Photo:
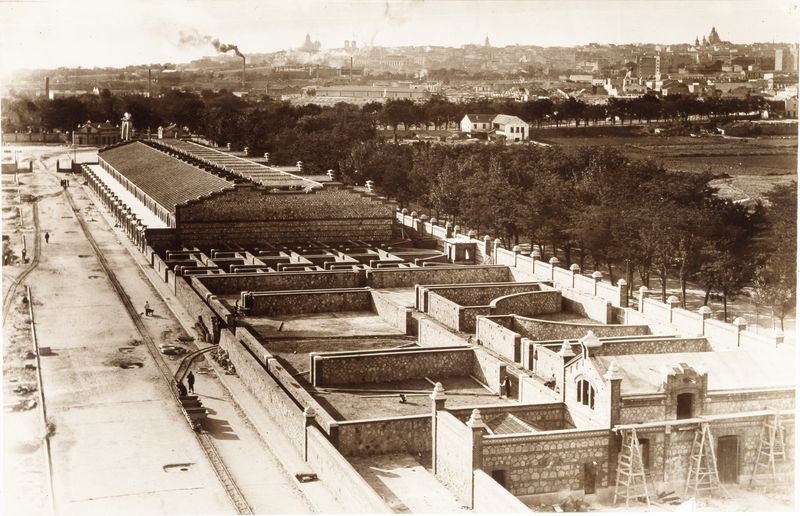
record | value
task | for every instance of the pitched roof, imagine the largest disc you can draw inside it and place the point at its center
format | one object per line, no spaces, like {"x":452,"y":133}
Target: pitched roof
{"x":727,"y":370}
{"x":508,"y":119}
{"x":481,"y":118}
{"x":167,"y":180}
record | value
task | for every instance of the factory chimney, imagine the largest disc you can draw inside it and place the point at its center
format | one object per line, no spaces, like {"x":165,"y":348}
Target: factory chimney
{"x":149,"y":83}
{"x":47,"y":87}
{"x":243,"y":65}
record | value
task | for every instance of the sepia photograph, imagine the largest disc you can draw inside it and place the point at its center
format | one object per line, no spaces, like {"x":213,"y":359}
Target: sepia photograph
{"x":398,"y":256}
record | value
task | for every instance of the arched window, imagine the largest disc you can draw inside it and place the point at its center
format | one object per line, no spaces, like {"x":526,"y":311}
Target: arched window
{"x":585,"y":394}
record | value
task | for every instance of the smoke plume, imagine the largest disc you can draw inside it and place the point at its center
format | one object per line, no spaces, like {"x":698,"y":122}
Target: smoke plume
{"x":195,"y":39}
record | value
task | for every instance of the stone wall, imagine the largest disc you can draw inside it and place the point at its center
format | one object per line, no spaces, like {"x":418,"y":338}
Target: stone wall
{"x":225,"y":284}
{"x":350,"y":488}
{"x":432,"y":334}
{"x":528,"y":304}
{"x":445,"y":311}
{"x":491,"y":497}
{"x":538,"y":329}
{"x":544,"y":416}
{"x":309,"y":302}
{"x":279,"y":404}
{"x":453,"y":460}
{"x":499,"y":339}
{"x":688,"y":323}
{"x":652,"y":346}
{"x":192,"y":302}
{"x":488,"y":369}
{"x":410,"y":276}
{"x":410,"y":434}
{"x":161,"y":239}
{"x":252,"y":216}
{"x":387,"y":366}
{"x":585,"y":305}
{"x":744,"y":401}
{"x":396,"y":315}
{"x":549,"y":461}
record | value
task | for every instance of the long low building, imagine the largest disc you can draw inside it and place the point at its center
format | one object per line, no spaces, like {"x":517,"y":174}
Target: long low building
{"x":202,"y":204}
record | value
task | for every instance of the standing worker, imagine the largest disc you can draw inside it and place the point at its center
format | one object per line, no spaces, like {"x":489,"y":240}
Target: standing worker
{"x":190,"y":381}
{"x":46,"y":237}
{"x":507,"y":386}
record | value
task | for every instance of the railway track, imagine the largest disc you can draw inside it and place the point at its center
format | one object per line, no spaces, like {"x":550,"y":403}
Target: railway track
{"x":204,"y":439}
{"x":8,"y":298}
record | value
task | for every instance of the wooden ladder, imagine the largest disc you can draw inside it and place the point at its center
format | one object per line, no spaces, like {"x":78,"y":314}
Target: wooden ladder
{"x":772,"y":446}
{"x":631,"y":478}
{"x":703,"y":473}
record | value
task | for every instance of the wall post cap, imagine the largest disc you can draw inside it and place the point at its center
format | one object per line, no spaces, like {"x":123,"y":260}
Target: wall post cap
{"x":487,"y":238}
{"x":740,"y":323}
{"x":613,"y":371}
{"x":498,"y":242}
{"x":434,"y":220}
{"x":472,"y":233}
{"x":705,"y":310}
{"x":476,"y":420}
{"x":414,"y":214}
{"x":516,"y":249}
{"x":554,"y":261}
{"x":404,"y":211}
{"x":566,"y":349}
{"x":438,"y":392}
{"x":590,"y":340}
{"x":457,"y":228}
{"x":575,"y":268}
{"x":673,"y":300}
{"x":448,"y":224}
{"x":535,"y":253}
{"x":423,"y":217}
{"x":643,"y":290}
{"x":597,"y":275}
{"x":622,"y":283}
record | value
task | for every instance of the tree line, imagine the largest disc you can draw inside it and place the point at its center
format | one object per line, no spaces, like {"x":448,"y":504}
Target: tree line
{"x":596,"y":207}
{"x":321,"y":136}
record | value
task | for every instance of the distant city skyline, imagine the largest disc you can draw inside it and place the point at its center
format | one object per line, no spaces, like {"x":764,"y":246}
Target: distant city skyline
{"x":90,"y":33}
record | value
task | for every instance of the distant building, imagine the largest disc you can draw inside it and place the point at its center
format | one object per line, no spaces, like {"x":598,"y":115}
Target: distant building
{"x":96,"y":133}
{"x":778,"y":60}
{"x":476,"y":123}
{"x":512,"y":127}
{"x":790,"y":107}
{"x":373,"y":92}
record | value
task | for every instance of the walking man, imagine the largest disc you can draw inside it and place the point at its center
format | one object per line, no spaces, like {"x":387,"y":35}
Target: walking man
{"x":181,"y":388}
{"x":147,"y":310}
{"x":46,"y":237}
{"x":190,"y":381}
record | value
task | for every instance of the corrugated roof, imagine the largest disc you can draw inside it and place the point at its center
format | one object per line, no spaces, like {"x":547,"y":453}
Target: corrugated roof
{"x":167,"y":180}
{"x":727,"y":370}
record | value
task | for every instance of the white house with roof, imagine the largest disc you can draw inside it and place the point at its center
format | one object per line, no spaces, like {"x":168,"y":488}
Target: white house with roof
{"x":476,"y":123}
{"x":512,"y":127}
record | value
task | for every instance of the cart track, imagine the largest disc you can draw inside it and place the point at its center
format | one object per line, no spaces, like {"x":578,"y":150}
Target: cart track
{"x":204,"y":439}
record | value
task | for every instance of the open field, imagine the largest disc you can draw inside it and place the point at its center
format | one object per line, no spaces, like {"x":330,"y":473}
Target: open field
{"x":754,"y":165}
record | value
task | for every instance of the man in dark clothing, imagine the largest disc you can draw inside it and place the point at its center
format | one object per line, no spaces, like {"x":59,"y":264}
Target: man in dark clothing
{"x":507,"y":386}
{"x":46,"y":237}
{"x":190,"y":381}
{"x":181,"y":388}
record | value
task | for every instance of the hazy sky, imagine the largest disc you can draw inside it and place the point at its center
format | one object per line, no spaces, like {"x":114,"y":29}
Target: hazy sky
{"x":51,"y":33}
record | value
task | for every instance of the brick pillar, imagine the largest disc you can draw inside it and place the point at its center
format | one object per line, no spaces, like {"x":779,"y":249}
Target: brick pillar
{"x":706,"y":312}
{"x":673,"y":303}
{"x":622,"y":285}
{"x":597,"y":276}
{"x":478,"y":428}
{"x":553,"y":264}
{"x":487,"y":248}
{"x":438,"y":398}
{"x":642,"y":297}
{"x":448,"y":229}
{"x":614,"y":379}
{"x":575,"y":269}
{"x":309,"y":414}
{"x":741,"y":325}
